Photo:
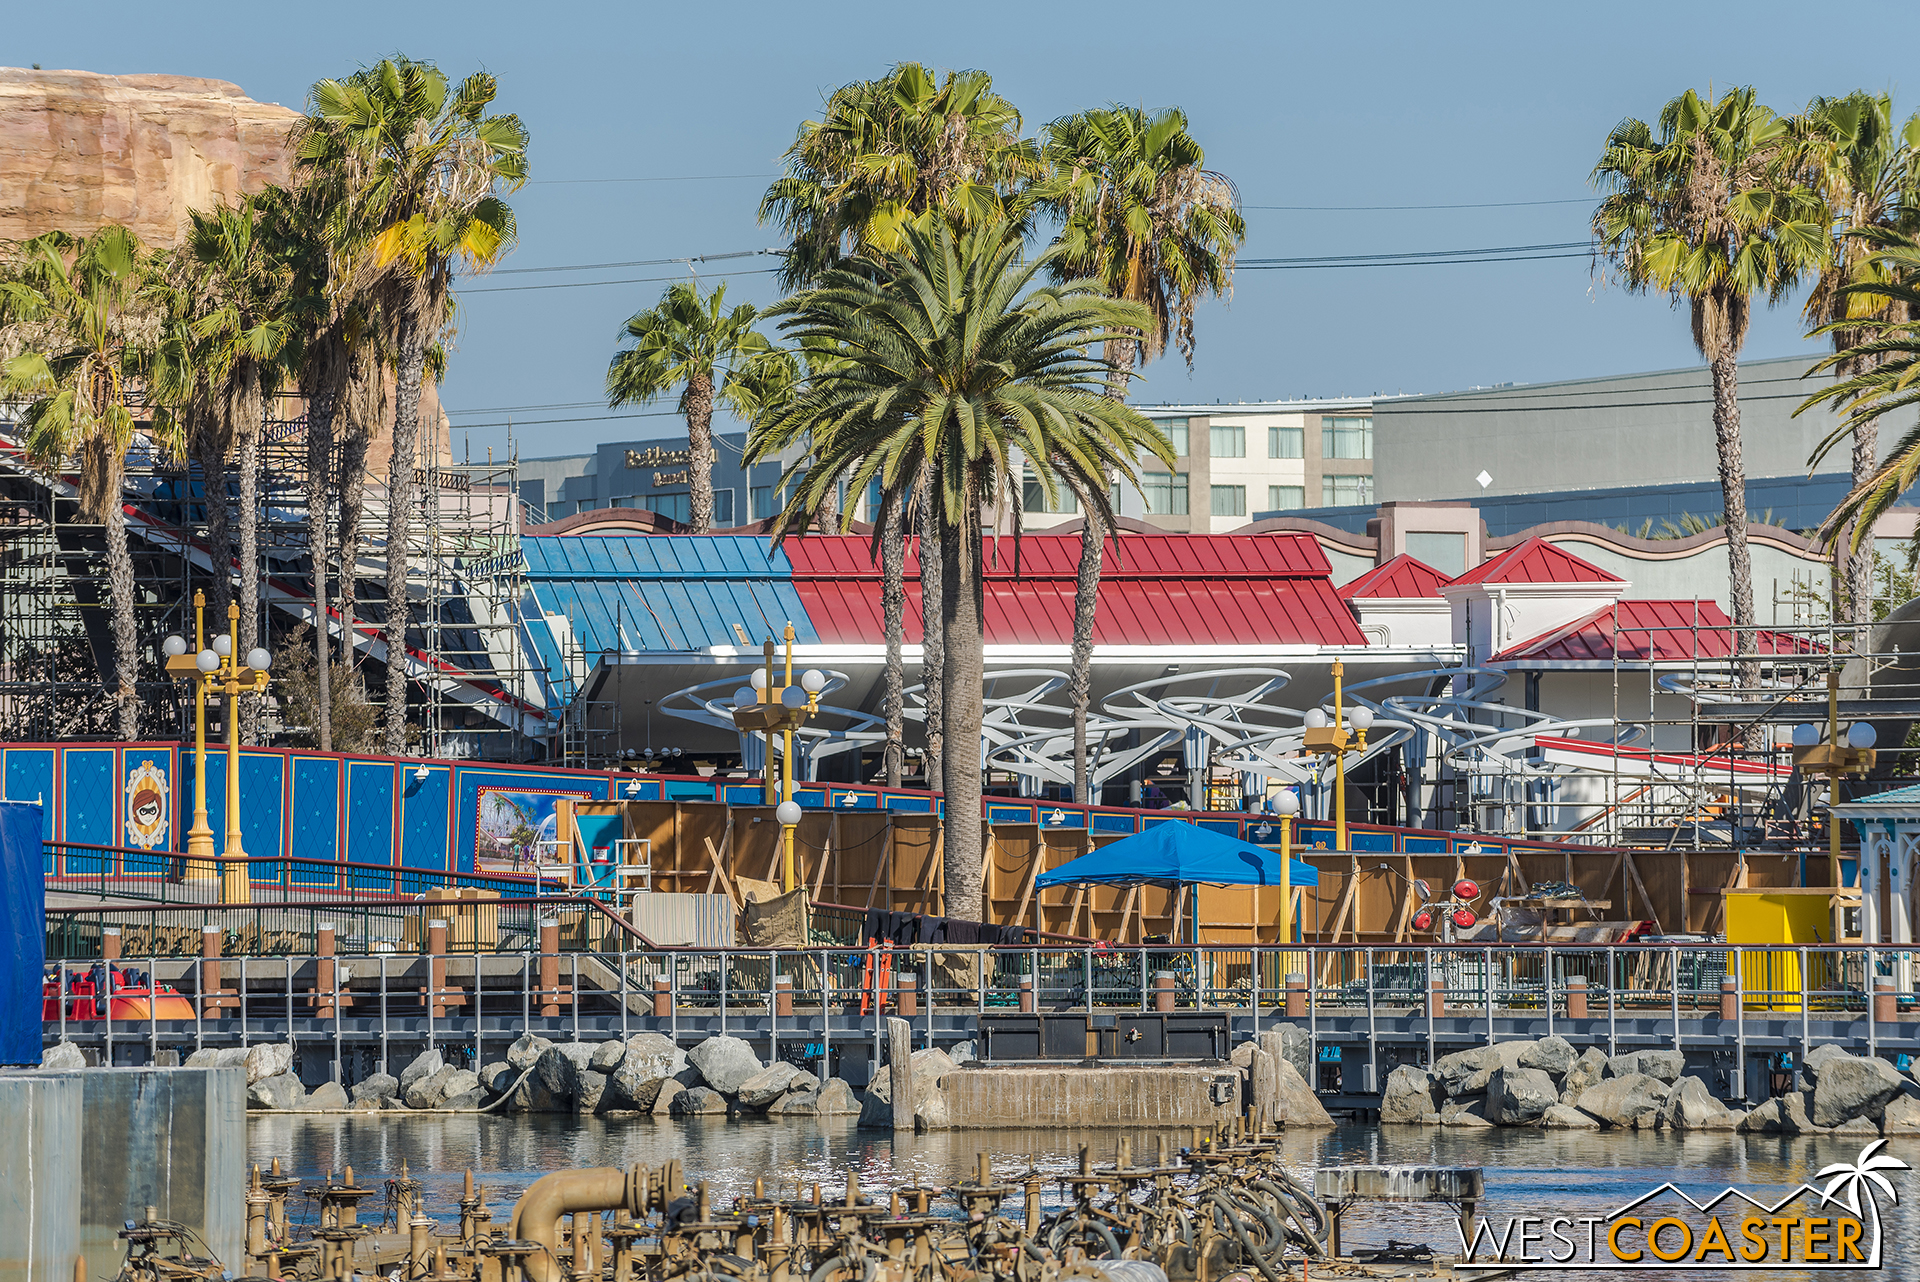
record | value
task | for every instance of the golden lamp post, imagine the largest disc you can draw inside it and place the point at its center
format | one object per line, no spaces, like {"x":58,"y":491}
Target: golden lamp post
{"x":1333,"y":739}
{"x":217,"y":669}
{"x":770,"y":709}
{"x":1835,"y":758}
{"x":1284,"y":804}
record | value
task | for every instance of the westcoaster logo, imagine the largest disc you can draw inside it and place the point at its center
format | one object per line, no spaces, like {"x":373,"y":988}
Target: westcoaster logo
{"x":1840,"y":1229}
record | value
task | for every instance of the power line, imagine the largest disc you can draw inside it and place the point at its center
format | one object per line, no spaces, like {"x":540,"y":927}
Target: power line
{"x":1492,"y":204}
{"x":1425,"y":258}
{"x":638,"y":262}
{"x":593,"y":284}
{"x":1417,"y":262}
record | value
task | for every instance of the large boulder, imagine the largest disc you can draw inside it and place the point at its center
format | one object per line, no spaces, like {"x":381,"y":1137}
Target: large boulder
{"x":1295,"y":1105}
{"x":1662,"y":1066}
{"x":497,"y":1077}
{"x":770,"y":1083}
{"x":268,"y":1059}
{"x":1553,"y":1056}
{"x":699,"y":1100}
{"x":1466,"y":1073}
{"x":1410,"y":1095}
{"x":532,"y":1096}
{"x":795,"y":1104}
{"x":1690,"y":1106}
{"x":608,"y":1056}
{"x":1626,"y":1103}
{"x":591,"y":1091}
{"x":1810,"y":1064}
{"x":558,"y":1073}
{"x":1585,"y":1073}
{"x":1290,"y":1042}
{"x":725,"y":1063}
{"x":1784,"y":1116}
{"x":1470,"y":1114}
{"x":328,"y":1097}
{"x":1902,"y":1116}
{"x":1518,"y":1096}
{"x":1242,"y":1056}
{"x":425,"y":1064}
{"x":428,"y":1091}
{"x":930,"y":1113}
{"x":526,"y":1051}
{"x":378,"y":1086}
{"x":1564,"y":1117}
{"x":654,"y":1051}
{"x":1850,"y":1086}
{"x":836,"y":1099}
{"x":280,"y":1092}
{"x":465,"y":1101}
{"x":67,"y":1055}
{"x":670,"y":1090}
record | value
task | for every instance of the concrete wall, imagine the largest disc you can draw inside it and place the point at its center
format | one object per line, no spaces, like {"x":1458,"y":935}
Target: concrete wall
{"x":1020,"y":1097}
{"x":95,"y":1147}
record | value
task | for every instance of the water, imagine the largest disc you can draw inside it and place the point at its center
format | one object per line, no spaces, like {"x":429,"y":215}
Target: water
{"x":1527,"y":1171}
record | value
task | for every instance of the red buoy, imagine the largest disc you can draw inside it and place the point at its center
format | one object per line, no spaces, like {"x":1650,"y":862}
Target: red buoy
{"x":1465,"y":889}
{"x":1464,"y":918}
{"x":1423,"y":920}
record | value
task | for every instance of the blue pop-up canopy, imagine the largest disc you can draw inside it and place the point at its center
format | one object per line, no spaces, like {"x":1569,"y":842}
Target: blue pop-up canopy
{"x":1180,"y":853}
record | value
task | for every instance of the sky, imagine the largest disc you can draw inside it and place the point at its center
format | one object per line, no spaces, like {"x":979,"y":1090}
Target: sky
{"x":656,"y":127}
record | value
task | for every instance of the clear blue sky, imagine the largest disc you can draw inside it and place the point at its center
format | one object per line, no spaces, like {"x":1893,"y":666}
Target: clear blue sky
{"x":1301,"y":105}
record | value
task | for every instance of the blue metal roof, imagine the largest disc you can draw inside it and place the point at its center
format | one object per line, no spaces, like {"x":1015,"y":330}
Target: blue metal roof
{"x":649,"y":593}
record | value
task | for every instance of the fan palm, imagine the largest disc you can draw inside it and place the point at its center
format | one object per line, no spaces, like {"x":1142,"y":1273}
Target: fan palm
{"x":1868,"y":169}
{"x":1701,"y":208}
{"x":957,"y":361}
{"x":421,"y":164}
{"x":80,"y":310}
{"x":1140,"y":212}
{"x":692,"y":342}
{"x":892,"y":154}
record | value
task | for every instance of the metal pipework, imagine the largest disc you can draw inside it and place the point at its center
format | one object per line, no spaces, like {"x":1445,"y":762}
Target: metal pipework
{"x":536,"y":1216}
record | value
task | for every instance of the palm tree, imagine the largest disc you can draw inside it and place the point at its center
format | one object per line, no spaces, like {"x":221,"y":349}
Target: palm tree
{"x":955,"y":363}
{"x":421,"y":165}
{"x":363,"y":414}
{"x":889,"y":154}
{"x":685,"y":342}
{"x":1140,"y":212}
{"x":1853,"y":1183}
{"x":241,"y":300}
{"x":1702,"y":210}
{"x":1869,"y":173}
{"x":79,"y":309}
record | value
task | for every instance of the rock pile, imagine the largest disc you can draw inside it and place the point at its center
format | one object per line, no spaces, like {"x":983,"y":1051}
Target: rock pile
{"x":1546,"y":1084}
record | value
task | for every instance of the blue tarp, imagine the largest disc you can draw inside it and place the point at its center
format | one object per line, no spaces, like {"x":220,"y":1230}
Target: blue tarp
{"x":1180,"y":853}
{"x":23,"y":932}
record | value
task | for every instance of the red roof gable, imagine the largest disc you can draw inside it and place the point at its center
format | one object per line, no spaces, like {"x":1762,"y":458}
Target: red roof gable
{"x":1648,"y":632}
{"x":1401,"y":578}
{"x":1273,"y":589}
{"x":1537,"y":561}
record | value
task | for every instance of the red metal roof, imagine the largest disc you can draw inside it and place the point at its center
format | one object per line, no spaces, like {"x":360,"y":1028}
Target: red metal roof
{"x":1648,"y":632}
{"x":1401,"y":578}
{"x":1263,"y":589}
{"x":1537,"y":561}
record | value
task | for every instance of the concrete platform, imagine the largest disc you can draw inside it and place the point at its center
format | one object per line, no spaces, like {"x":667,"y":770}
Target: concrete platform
{"x":1022,"y":1096}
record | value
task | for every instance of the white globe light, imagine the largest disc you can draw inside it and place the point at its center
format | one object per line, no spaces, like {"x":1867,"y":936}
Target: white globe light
{"x":1861,"y":734}
{"x":223,"y":645}
{"x":788,"y":813}
{"x":759,"y":678}
{"x":1315,"y":719}
{"x":1286,"y":802}
{"x":793,"y":697}
{"x":1361,"y":719}
{"x":813,"y":681}
{"x":206,"y":661}
{"x":173,"y":647}
{"x":744,"y":697}
{"x":258,"y":659}
{"x":1806,"y":736}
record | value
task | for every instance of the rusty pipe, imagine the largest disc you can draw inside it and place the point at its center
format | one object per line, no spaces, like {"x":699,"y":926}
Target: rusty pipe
{"x":536,"y":1216}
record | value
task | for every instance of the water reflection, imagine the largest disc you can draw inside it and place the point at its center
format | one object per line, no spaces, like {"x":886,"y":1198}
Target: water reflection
{"x":1527,"y":1171}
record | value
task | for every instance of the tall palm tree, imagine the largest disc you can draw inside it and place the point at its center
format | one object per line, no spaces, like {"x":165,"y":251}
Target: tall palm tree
{"x":1868,"y":170}
{"x":956,"y":362}
{"x":690,"y":341}
{"x":242,"y":302}
{"x":1702,"y":209}
{"x":364,"y":414}
{"x":422,"y":165}
{"x":1140,"y":212}
{"x":80,"y":311}
{"x":887,"y":155}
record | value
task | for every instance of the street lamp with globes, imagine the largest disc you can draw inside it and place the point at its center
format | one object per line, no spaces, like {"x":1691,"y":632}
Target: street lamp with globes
{"x":763,"y":707}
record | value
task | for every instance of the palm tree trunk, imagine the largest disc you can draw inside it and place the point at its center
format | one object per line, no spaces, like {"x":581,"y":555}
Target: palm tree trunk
{"x":893,"y":607}
{"x":698,"y":404}
{"x":211,"y":449}
{"x":828,"y":521}
{"x":126,"y":693}
{"x":932,"y":634}
{"x":1859,"y":568}
{"x":248,"y":439}
{"x":964,"y":663}
{"x":353,"y":490}
{"x":1086,"y":602}
{"x":1733,"y":499}
{"x":320,"y":409}
{"x":411,"y":345}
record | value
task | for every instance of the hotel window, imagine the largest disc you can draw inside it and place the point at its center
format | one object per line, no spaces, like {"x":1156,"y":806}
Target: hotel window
{"x":1285,"y":498}
{"x":1286,"y":442}
{"x":1346,"y":438}
{"x":1345,"y":491}
{"x":722,"y":509}
{"x":675,"y":507}
{"x":1033,"y":497}
{"x":1227,"y":442}
{"x":1166,"y":492}
{"x":1176,"y":430}
{"x":1229,"y":500}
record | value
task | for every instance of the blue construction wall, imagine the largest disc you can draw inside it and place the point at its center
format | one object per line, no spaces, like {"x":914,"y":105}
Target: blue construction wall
{"x":410,"y":813}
